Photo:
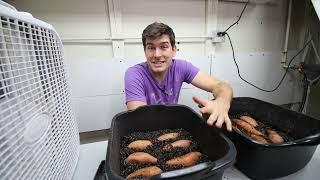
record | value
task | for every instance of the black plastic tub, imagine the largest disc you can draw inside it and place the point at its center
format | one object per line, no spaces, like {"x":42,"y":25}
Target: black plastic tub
{"x":265,"y":161}
{"x":215,"y":145}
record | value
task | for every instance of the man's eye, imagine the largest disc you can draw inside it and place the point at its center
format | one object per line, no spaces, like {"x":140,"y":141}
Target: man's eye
{"x":164,"y":47}
{"x":150,"y":47}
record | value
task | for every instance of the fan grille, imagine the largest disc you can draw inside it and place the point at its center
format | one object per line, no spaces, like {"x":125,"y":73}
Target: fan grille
{"x":33,"y":81}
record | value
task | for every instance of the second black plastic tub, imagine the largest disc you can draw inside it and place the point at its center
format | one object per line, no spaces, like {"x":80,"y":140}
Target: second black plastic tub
{"x":265,"y":161}
{"x":215,"y":145}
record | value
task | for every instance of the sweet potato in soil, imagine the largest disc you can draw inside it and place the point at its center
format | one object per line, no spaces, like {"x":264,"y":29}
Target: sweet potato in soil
{"x":247,"y":127}
{"x":140,"y":158}
{"x":186,"y":160}
{"x":261,"y":132}
{"x":140,"y":144}
{"x":249,"y":120}
{"x":157,"y":150}
{"x":274,"y":137}
{"x":180,"y":143}
{"x":145,"y":172}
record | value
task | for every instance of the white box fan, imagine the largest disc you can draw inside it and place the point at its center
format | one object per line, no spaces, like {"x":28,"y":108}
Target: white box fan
{"x":38,"y":131}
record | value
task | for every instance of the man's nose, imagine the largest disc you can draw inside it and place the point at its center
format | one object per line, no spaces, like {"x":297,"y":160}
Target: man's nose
{"x":157,"y":52}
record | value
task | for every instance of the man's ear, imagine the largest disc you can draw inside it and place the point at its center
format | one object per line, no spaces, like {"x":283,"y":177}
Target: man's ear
{"x":174,"y":48}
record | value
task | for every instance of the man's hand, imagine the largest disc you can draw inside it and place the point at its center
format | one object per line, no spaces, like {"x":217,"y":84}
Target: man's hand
{"x":217,"y":109}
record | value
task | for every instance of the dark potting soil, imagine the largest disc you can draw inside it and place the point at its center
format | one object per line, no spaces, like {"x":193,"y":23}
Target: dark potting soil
{"x":262,"y":127}
{"x":156,"y":150}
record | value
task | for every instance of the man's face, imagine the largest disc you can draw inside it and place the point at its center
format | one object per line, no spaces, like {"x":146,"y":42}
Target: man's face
{"x":159,"y":53}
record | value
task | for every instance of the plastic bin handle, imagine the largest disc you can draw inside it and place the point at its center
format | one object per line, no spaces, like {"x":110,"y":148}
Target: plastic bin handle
{"x":313,"y":140}
{"x":197,"y":169}
{"x":222,"y":164}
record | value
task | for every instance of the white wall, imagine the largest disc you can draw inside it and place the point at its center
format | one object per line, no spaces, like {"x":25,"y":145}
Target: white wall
{"x":102,"y":38}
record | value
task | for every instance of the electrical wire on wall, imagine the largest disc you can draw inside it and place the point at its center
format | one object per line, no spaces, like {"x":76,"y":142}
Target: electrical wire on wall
{"x":311,"y":75}
{"x":234,"y":59}
{"x":309,"y":67}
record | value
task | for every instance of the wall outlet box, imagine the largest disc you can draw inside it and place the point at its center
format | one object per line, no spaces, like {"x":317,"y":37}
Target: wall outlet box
{"x":216,"y":38}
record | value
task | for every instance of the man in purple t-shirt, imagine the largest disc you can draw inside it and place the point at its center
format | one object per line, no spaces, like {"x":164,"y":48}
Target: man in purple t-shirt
{"x":159,"y":79}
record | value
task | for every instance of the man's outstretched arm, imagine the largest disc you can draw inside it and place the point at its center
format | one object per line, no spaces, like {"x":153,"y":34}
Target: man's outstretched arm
{"x":135,"y":104}
{"x":219,"y":108}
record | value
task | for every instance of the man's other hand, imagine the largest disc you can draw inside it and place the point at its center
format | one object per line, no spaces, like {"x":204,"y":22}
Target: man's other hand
{"x":217,"y":109}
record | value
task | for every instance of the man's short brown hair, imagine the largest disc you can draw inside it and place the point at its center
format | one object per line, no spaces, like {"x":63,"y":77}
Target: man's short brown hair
{"x":155,"y":30}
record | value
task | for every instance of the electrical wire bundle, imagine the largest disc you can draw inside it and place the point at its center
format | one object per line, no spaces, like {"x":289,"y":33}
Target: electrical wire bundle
{"x":234,"y":59}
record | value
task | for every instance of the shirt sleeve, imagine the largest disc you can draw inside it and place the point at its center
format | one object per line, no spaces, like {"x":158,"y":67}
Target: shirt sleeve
{"x":134,"y":89}
{"x":190,"y":71}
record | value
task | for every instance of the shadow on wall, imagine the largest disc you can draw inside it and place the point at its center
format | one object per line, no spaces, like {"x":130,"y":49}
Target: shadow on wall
{"x":94,"y":136}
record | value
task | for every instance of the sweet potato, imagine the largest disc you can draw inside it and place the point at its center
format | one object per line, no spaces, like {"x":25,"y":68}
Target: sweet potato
{"x":146,"y":172}
{"x":186,"y":160}
{"x":180,"y":143}
{"x":259,"y":139}
{"x":246,"y":126}
{"x":168,"y":136}
{"x":274,"y":137}
{"x":249,"y":120}
{"x":139,"y":144}
{"x":141,"y":158}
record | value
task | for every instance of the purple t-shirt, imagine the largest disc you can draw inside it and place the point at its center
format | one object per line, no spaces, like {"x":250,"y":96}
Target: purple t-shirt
{"x":140,"y":85}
